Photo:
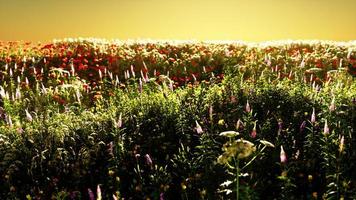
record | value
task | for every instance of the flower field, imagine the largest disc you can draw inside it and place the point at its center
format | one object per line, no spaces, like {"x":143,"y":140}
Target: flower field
{"x":98,"y":119}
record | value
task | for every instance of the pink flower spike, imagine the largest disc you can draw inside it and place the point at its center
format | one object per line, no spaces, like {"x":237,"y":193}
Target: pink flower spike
{"x":198,"y":128}
{"x":98,"y":192}
{"x":341,"y":146}
{"x":312,"y":119}
{"x":326,"y":128}
{"x":132,"y":71}
{"x":332,"y":106}
{"x":91,"y":194}
{"x":254,"y":132}
{"x":247,"y":108}
{"x":119,"y":122}
{"x":142,"y":76}
{"x":283,"y":155}
{"x":148,"y":160}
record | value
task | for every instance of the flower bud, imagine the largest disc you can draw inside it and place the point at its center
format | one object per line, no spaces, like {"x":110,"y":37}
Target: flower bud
{"x":283,"y":156}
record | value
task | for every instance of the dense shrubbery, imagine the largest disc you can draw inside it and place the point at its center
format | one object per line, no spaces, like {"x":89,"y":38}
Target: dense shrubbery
{"x":146,"y":138}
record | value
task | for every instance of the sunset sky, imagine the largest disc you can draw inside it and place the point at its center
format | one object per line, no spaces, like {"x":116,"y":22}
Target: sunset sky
{"x":249,"y":20}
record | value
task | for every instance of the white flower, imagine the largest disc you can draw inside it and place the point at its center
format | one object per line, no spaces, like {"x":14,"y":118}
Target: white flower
{"x":229,"y":134}
{"x":28,"y":116}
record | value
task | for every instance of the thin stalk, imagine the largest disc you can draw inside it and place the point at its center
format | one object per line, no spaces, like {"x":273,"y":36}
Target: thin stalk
{"x":253,"y":158}
{"x":237,"y":177}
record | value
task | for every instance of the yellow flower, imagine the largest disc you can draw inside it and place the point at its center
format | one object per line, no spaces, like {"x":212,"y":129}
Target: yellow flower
{"x":221,"y":122}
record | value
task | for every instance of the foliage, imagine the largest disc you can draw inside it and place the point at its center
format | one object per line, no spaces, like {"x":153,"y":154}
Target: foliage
{"x":77,"y":122}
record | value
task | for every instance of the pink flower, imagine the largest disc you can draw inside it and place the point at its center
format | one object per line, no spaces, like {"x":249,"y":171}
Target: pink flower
{"x":254,"y":132}
{"x":341,"y":146}
{"x":326,"y":128}
{"x":247,"y":107}
{"x":239,"y":124}
{"x":332,"y":106}
{"x":119,"y":121}
{"x":148,"y":160}
{"x":98,"y":192}
{"x":91,"y":194}
{"x":198,"y":128}
{"x":312,"y":119}
{"x":132,"y":71}
{"x":283,"y":156}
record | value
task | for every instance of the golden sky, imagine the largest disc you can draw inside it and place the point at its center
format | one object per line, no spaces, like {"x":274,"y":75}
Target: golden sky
{"x":249,"y":20}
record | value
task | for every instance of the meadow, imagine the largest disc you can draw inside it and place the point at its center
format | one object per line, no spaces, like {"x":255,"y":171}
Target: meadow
{"x":99,"y":119}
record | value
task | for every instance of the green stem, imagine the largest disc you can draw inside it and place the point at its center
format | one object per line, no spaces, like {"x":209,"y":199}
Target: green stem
{"x":237,"y":178}
{"x":253,"y":158}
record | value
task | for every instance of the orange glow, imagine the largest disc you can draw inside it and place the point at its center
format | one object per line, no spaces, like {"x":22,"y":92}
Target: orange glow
{"x":249,"y":20}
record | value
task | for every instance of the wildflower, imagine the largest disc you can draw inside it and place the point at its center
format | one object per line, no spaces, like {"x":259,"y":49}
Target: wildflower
{"x":297,"y":154}
{"x":341,"y":145}
{"x":28,"y":116}
{"x":326,"y":128}
{"x":18,"y":93}
{"x":132,"y":71}
{"x":142,"y":76}
{"x":239,"y":125}
{"x":221,"y":122}
{"x":148,"y":160}
{"x":44,"y":90}
{"x":266,"y":143}
{"x":98,"y":193}
{"x":140,"y":85}
{"x":100,"y":74}
{"x":119,"y":121}
{"x":117,"y":81}
{"x":194,"y":78}
{"x":9,"y":121}
{"x":282,"y":155}
{"x":312,"y":119}
{"x":114,"y":197}
{"x":91,"y":194}
{"x":111,"y":148}
{"x":229,"y":134}
{"x":161,"y":196}
{"x":280,"y":126}
{"x":72,"y":69}
{"x":198,"y":128}
{"x":226,"y":183}
{"x":253,"y":133}
{"x":211,"y":113}
{"x":332,"y":106}
{"x":247,"y":107}
{"x":19,"y":130}
{"x":244,"y":148}
{"x":302,"y":126}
